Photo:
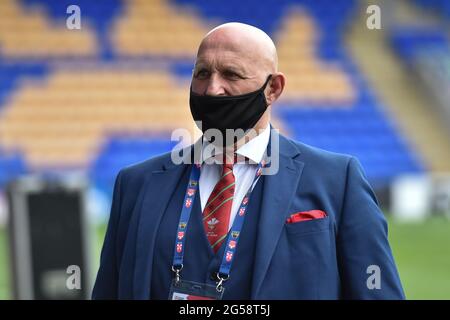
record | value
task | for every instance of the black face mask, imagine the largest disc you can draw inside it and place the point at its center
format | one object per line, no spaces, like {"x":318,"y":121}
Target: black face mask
{"x":229,"y":112}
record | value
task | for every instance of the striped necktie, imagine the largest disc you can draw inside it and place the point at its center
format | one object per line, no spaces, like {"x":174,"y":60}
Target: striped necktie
{"x":216,"y":215}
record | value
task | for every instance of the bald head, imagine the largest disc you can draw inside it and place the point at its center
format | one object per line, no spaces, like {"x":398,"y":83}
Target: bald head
{"x":251,"y":43}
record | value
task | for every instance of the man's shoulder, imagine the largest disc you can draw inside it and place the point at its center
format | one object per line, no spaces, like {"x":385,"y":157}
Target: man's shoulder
{"x":149,"y":165}
{"x":328,"y":165}
{"x":137,"y":172}
{"x":313,"y":154}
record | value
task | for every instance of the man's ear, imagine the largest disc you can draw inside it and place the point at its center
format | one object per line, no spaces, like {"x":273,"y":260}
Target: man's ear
{"x":275,"y":87}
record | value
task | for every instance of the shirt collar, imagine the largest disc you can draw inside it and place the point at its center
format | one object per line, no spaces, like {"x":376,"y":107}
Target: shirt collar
{"x":253,"y":150}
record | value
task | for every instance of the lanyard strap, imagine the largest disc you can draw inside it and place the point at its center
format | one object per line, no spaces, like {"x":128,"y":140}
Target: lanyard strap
{"x":233,"y":236}
{"x":235,"y":231}
{"x":188,"y":202}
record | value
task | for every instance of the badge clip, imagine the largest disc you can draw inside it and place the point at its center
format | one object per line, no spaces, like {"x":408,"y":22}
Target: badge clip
{"x":177,"y":271}
{"x":219,"y":287}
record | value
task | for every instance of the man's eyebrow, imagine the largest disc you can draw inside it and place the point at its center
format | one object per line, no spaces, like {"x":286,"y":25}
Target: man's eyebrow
{"x":233,"y":68}
{"x":236,"y":68}
{"x":202,"y":62}
{"x":199,"y":63}
{"x":225,"y":67}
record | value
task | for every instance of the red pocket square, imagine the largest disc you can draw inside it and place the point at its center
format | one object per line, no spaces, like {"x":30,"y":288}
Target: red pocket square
{"x":306,"y":215}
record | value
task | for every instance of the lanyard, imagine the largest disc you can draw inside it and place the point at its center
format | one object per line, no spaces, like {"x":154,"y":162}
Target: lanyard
{"x":233,"y":235}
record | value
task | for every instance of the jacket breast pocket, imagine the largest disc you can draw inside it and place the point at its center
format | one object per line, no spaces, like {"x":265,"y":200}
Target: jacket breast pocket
{"x":310,"y":254}
{"x":308,"y":227}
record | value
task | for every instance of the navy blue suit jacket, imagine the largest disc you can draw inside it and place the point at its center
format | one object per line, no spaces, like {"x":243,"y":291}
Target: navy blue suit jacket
{"x":330,"y":258}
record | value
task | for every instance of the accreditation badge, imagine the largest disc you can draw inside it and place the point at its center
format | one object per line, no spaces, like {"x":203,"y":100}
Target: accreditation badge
{"x":189,"y":290}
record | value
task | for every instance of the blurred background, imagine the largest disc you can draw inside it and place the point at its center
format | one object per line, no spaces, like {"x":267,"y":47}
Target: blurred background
{"x":78,"y":105}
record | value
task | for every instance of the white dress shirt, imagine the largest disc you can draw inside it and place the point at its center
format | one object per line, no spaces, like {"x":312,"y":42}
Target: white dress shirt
{"x":244,"y":173}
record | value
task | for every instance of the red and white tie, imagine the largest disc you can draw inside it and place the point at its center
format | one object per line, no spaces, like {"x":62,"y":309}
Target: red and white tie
{"x":216,"y":215}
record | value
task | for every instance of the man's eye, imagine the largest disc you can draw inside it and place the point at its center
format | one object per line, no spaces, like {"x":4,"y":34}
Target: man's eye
{"x":201,"y":74}
{"x":231,"y":75}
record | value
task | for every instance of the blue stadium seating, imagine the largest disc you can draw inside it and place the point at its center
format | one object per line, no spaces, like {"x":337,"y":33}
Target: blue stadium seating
{"x":10,"y":72}
{"x":411,"y":41}
{"x":439,"y":6}
{"x":11,"y":166}
{"x":361,"y":129}
{"x":99,"y":13}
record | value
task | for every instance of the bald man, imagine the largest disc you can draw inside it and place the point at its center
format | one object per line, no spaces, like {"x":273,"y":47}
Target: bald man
{"x":247,"y":213}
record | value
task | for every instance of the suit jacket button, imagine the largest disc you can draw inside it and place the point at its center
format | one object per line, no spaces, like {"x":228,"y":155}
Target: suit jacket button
{"x":213,"y":276}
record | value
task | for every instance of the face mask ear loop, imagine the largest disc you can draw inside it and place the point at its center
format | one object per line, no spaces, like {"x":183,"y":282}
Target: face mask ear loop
{"x":265,"y":86}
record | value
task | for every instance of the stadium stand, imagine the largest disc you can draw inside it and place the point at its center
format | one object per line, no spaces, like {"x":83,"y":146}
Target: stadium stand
{"x":28,"y":34}
{"x":427,"y":52}
{"x":438,"y":6}
{"x":110,"y":94}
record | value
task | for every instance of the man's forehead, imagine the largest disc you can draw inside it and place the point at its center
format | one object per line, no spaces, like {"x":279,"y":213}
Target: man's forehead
{"x":225,"y":53}
{"x":222,"y":58}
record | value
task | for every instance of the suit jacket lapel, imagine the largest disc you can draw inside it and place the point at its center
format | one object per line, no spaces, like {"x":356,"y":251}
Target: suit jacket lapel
{"x":278,"y":192}
{"x":159,"y":188}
